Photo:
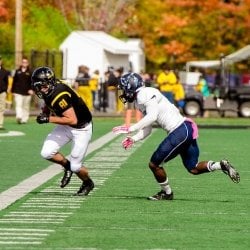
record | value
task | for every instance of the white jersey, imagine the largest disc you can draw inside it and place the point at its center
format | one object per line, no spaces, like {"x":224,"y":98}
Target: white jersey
{"x":155,"y":108}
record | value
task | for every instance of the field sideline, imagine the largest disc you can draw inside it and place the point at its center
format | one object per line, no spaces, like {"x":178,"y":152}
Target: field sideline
{"x":209,"y":211}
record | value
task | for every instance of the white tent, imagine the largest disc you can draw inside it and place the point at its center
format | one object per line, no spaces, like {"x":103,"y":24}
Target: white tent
{"x":237,"y":56}
{"x":99,"y":51}
{"x":203,"y":64}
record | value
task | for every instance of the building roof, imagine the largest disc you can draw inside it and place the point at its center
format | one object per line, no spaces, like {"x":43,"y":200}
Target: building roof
{"x":108,"y":42}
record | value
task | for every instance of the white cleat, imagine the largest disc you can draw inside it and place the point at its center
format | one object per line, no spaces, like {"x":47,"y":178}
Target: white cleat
{"x":229,"y":170}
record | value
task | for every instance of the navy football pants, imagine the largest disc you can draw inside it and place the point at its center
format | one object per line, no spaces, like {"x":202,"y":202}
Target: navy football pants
{"x":179,"y":142}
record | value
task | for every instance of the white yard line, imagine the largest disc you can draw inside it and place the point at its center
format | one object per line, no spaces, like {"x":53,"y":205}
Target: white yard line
{"x":14,"y":193}
{"x":48,"y":211}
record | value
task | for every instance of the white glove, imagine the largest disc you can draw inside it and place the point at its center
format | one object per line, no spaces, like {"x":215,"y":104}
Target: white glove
{"x":121,"y":130}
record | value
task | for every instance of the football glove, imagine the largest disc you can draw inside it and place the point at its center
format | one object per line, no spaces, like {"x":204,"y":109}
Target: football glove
{"x":42,"y":118}
{"x":121,"y":130}
{"x":127,"y":142}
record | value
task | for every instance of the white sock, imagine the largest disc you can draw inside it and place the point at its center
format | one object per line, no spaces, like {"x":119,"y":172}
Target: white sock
{"x":211,"y":166}
{"x":166,"y":187}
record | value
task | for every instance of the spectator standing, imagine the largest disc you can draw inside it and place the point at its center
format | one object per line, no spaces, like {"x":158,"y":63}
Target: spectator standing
{"x":21,"y":88}
{"x":179,"y":95}
{"x":147,"y":78}
{"x":202,"y":86}
{"x":111,"y":85}
{"x":166,"y":81}
{"x":82,"y":86}
{"x":119,"y":105}
{"x":94,"y":83}
{"x":103,"y":93}
{"x":4,"y":77}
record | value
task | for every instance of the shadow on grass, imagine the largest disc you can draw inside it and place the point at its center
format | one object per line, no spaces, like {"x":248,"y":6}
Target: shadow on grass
{"x":129,"y":197}
{"x":199,"y":200}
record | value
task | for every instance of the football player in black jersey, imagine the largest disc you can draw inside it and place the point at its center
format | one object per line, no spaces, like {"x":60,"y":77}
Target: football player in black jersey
{"x":64,"y":107}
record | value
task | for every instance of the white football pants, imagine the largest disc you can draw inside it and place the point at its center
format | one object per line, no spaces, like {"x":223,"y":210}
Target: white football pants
{"x":63,"y":134}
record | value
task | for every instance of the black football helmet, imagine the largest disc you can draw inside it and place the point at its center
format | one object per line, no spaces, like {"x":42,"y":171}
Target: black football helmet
{"x":129,"y":84}
{"x":43,"y":77}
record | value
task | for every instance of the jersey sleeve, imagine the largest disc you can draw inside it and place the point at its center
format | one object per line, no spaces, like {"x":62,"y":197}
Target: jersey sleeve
{"x":149,"y":101}
{"x":62,"y":102}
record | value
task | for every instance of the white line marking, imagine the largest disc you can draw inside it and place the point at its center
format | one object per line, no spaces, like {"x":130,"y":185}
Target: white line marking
{"x":22,"y":221}
{"x":12,"y":194}
{"x":20,"y":242}
{"x":26,"y":230}
{"x":49,"y":203}
{"x":12,"y":133}
{"x":19,"y":238}
{"x":51,"y":213}
{"x":24,"y":234}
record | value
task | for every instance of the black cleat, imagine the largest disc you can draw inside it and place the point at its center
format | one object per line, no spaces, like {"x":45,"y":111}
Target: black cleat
{"x":229,"y":170}
{"x":85,"y":188}
{"x":66,"y":178}
{"x":161,"y":196}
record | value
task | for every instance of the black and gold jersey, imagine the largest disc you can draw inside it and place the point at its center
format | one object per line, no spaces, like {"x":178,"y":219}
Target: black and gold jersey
{"x":64,"y":97}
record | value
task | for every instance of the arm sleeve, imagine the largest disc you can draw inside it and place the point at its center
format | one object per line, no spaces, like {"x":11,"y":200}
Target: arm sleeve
{"x":149,"y":118}
{"x":143,"y":133}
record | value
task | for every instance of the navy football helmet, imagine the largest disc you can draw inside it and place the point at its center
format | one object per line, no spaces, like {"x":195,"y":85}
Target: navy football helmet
{"x":129,"y":84}
{"x":43,"y":77}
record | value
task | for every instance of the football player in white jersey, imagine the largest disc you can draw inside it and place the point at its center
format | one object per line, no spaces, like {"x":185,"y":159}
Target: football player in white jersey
{"x":181,"y":134}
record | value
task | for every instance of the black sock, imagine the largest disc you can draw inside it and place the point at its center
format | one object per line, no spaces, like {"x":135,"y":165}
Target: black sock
{"x":67,"y":165}
{"x":88,"y":181}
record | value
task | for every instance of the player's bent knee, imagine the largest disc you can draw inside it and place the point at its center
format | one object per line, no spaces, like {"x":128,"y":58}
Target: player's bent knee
{"x":46,"y":154}
{"x":75,"y":167}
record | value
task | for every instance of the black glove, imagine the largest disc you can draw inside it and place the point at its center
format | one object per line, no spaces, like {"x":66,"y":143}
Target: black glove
{"x":42,"y":118}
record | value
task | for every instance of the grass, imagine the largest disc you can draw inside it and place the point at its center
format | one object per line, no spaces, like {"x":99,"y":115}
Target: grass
{"x":208,"y":212}
{"x":20,"y":155}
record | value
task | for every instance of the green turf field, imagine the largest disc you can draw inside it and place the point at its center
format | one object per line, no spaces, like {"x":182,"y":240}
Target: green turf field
{"x":209,"y":211}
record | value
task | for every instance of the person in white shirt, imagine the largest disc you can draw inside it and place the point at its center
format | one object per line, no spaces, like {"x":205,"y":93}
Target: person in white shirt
{"x":181,"y":136}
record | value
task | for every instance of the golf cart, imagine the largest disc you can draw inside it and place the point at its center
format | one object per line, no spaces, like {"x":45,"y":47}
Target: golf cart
{"x":225,"y":96}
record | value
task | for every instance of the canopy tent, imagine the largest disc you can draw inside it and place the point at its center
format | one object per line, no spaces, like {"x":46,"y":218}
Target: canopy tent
{"x":203,"y":64}
{"x":237,"y":56}
{"x":100,"y":51}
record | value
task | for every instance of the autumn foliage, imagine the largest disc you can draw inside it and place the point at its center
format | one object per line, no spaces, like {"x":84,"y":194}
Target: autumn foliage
{"x":173,"y":31}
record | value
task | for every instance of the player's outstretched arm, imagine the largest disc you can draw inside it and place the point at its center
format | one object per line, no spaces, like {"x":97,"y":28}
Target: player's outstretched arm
{"x":121,"y":130}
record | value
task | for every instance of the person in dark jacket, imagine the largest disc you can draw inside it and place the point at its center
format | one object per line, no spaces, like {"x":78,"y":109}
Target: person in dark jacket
{"x":22,"y":91}
{"x":4,"y":77}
